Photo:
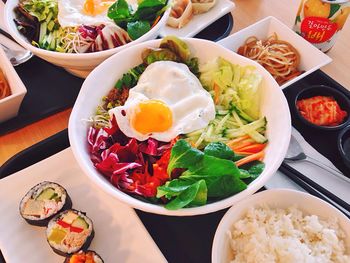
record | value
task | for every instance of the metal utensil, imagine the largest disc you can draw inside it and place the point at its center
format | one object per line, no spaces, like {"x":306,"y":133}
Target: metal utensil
{"x":3,"y":32}
{"x":16,"y":57}
{"x":296,"y":153}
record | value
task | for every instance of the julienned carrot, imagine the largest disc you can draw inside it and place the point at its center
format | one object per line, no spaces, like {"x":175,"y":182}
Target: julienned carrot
{"x":242,"y":145}
{"x":254,"y":157}
{"x":253,"y":148}
{"x":155,"y":21}
{"x":237,"y":140}
{"x":216,"y":93}
{"x":244,"y":153}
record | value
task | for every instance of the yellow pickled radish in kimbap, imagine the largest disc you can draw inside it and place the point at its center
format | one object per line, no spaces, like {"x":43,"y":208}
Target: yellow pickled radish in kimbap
{"x":69,"y":232}
{"x":42,"y":202}
{"x":88,"y":256}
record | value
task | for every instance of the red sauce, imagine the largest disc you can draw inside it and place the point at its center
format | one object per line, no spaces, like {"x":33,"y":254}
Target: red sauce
{"x":321,"y":110}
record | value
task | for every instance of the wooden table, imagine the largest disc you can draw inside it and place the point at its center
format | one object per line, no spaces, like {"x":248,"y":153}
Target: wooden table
{"x":246,"y":13}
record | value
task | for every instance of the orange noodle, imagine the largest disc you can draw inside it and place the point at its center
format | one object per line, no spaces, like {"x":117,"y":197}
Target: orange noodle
{"x":4,"y":86}
{"x":279,"y":57}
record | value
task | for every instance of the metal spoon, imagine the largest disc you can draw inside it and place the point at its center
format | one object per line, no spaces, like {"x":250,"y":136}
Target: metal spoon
{"x":296,"y":153}
{"x":16,"y":57}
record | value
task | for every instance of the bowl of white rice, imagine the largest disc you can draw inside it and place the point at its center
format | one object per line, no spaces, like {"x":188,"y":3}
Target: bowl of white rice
{"x":282,"y":225}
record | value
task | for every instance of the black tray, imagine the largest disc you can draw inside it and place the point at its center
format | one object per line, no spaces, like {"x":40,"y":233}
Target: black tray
{"x":192,"y":236}
{"x":187,"y":239}
{"x":323,"y":141}
{"x":45,"y":97}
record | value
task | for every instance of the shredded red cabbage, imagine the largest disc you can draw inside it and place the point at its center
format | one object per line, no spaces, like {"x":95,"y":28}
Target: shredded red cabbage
{"x":103,"y":37}
{"x":132,"y":166}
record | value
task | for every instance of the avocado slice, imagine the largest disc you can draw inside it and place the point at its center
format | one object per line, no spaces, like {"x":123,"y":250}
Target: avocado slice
{"x":57,"y":235}
{"x":79,"y":222}
{"x":46,"y":194}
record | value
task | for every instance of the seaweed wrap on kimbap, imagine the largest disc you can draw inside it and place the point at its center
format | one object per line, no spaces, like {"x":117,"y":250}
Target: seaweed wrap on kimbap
{"x":44,"y":201}
{"x":88,"y":256}
{"x":69,"y":232}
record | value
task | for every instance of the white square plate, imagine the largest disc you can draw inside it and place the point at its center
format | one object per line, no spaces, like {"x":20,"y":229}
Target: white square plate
{"x":311,"y":58}
{"x":119,"y":234}
{"x":200,"y":21}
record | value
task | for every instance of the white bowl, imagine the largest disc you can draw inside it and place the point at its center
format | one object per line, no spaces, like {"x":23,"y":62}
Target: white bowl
{"x":275,"y":198}
{"x":274,"y":107}
{"x":311,"y":58}
{"x":77,"y":64}
{"x":9,"y":106}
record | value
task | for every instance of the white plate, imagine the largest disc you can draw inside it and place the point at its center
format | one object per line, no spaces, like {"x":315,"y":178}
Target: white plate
{"x":119,"y":234}
{"x":200,"y":21}
{"x":311,"y":58}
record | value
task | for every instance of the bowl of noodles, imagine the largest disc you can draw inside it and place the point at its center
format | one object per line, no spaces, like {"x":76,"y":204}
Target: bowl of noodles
{"x":12,"y":89}
{"x":286,"y":55}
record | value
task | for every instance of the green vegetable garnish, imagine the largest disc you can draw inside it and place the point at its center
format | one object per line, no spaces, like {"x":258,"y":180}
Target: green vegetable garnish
{"x":219,"y":150}
{"x":138,"y":28}
{"x":136,"y":22}
{"x":183,"y":156}
{"x":209,"y":173}
{"x":186,"y":193}
{"x":130,"y":78}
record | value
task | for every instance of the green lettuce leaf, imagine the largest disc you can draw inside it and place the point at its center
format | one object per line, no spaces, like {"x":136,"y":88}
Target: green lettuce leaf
{"x":119,"y":12}
{"x":148,"y":9}
{"x":187,"y":193}
{"x":219,"y":150}
{"x":221,"y":176}
{"x":138,"y":28}
{"x":183,"y":156}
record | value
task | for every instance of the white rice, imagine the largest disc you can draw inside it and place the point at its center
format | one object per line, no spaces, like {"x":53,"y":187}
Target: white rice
{"x":277,"y":235}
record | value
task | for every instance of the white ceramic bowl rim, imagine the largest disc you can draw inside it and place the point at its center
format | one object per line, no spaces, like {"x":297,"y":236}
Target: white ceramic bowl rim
{"x":158,"y":209}
{"x":8,"y":12}
{"x":253,"y":201}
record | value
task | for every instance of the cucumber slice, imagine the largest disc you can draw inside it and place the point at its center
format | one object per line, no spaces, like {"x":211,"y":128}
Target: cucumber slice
{"x":46,"y":194}
{"x":79,"y":222}
{"x":242,"y":114}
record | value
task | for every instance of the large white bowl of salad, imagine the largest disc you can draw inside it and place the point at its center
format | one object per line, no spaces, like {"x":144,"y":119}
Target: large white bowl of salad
{"x":180,"y":127}
{"x":80,"y":34}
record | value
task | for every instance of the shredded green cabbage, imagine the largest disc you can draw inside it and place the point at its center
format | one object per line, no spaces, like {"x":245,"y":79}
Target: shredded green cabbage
{"x":237,"y":94}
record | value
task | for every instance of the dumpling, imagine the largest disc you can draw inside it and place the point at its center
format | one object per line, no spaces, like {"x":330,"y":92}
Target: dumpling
{"x":202,"y":6}
{"x":181,"y":13}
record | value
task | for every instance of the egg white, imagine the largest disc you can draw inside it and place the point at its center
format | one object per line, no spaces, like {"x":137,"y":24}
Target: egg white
{"x":174,"y":84}
{"x":71,"y":14}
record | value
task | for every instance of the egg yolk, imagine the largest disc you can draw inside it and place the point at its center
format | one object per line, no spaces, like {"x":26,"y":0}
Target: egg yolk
{"x":96,"y":7}
{"x":152,"y":116}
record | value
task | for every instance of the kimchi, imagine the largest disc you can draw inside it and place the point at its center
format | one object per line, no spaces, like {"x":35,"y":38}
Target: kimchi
{"x":321,"y":110}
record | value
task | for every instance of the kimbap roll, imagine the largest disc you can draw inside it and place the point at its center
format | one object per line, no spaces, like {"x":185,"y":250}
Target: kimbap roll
{"x":88,"y":256}
{"x":44,"y":201}
{"x":69,"y":232}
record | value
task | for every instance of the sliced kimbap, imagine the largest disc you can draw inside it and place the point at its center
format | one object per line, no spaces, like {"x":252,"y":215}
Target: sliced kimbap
{"x":44,"y":201}
{"x":88,"y":256}
{"x":69,"y":232}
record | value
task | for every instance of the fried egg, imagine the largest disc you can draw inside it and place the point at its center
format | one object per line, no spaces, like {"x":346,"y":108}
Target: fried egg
{"x":168,"y":100}
{"x":73,"y":13}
